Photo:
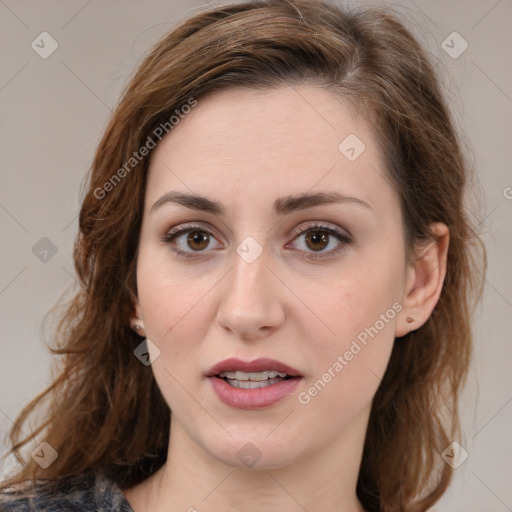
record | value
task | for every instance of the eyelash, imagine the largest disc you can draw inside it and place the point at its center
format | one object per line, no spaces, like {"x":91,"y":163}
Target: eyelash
{"x":321,"y":228}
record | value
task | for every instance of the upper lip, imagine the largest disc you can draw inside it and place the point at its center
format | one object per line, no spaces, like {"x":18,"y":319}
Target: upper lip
{"x":258,"y":365}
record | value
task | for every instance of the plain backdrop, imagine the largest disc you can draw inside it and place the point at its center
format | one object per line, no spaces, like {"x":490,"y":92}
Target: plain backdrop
{"x":53,"y":111}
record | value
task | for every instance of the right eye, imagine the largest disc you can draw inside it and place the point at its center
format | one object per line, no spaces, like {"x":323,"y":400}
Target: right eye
{"x":189,"y":241}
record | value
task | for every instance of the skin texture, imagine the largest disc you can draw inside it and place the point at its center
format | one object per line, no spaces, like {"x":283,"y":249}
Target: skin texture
{"x":244,"y":149}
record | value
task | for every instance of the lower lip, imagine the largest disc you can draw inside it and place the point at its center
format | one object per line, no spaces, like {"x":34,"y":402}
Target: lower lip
{"x":253,"y":398}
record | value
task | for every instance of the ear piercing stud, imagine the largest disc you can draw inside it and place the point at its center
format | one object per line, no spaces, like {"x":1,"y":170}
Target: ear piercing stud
{"x":137,"y":327}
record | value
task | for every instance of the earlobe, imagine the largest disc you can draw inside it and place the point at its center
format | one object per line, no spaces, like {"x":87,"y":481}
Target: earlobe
{"x":136,"y":321}
{"x":424,"y":283}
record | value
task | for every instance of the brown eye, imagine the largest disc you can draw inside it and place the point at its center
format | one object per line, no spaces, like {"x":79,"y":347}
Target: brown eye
{"x":320,"y":241}
{"x":317,"y":240}
{"x":190,"y":241}
{"x":198,"y":240}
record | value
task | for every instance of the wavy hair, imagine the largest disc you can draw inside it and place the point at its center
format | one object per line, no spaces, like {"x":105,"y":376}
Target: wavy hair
{"x":104,"y":410}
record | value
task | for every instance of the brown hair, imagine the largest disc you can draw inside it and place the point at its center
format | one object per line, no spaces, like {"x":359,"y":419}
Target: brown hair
{"x":105,"y":411}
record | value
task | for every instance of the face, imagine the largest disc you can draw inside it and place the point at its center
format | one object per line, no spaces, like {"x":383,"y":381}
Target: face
{"x":258,"y":271}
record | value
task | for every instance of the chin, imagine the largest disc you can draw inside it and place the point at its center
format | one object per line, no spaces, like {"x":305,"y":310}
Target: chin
{"x":254,"y":453}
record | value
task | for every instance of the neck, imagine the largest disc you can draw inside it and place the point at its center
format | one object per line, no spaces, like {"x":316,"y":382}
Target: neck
{"x":192,"y":480}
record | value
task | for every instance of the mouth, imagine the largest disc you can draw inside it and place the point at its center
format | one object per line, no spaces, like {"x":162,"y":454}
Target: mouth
{"x":253,"y":380}
{"x":262,"y":369}
{"x":253,"y":384}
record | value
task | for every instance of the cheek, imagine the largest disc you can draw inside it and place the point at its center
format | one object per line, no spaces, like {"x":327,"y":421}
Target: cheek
{"x":362,"y":295}
{"x":176,"y":313}
{"x":173,"y":301}
{"x":170,"y":320}
{"x":348,"y":371}
{"x":360,"y":310}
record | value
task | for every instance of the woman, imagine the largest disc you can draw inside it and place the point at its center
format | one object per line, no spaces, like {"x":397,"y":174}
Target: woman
{"x":277,"y":273}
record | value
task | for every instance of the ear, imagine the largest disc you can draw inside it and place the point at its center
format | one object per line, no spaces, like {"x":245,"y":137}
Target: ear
{"x":424,"y":281}
{"x":136,"y":320}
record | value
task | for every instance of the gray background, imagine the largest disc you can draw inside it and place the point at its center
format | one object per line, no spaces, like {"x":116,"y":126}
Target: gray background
{"x":53,"y":112}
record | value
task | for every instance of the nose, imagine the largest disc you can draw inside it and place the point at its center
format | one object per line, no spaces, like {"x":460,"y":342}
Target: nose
{"x":251,"y":305}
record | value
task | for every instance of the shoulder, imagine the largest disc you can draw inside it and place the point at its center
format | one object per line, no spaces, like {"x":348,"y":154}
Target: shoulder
{"x":89,"y":492}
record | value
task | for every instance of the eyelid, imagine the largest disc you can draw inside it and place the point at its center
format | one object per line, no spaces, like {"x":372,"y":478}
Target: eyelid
{"x":189,"y":227}
{"x":323,"y":225}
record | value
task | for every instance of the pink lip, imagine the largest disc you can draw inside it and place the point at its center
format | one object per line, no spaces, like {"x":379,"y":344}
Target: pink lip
{"x":252,"y":398}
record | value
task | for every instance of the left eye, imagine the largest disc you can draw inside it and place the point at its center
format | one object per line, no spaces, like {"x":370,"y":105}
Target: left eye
{"x":319,"y":238}
{"x":316,"y":240}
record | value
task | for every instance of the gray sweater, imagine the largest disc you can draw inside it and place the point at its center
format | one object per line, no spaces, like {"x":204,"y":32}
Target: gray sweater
{"x":88,"y":492}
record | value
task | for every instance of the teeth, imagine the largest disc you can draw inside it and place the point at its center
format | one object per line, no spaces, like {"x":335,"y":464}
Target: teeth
{"x":252,"y":376}
{"x":249,"y":384}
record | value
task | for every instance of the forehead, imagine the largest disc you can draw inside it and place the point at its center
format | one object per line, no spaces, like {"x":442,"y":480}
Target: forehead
{"x":270,"y":143}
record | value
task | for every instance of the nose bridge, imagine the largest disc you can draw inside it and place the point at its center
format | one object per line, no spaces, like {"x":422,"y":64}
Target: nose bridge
{"x":250,"y":301}
{"x":250,"y":272}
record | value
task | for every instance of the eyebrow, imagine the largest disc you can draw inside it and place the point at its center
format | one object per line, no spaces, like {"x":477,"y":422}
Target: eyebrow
{"x":282,"y":205}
